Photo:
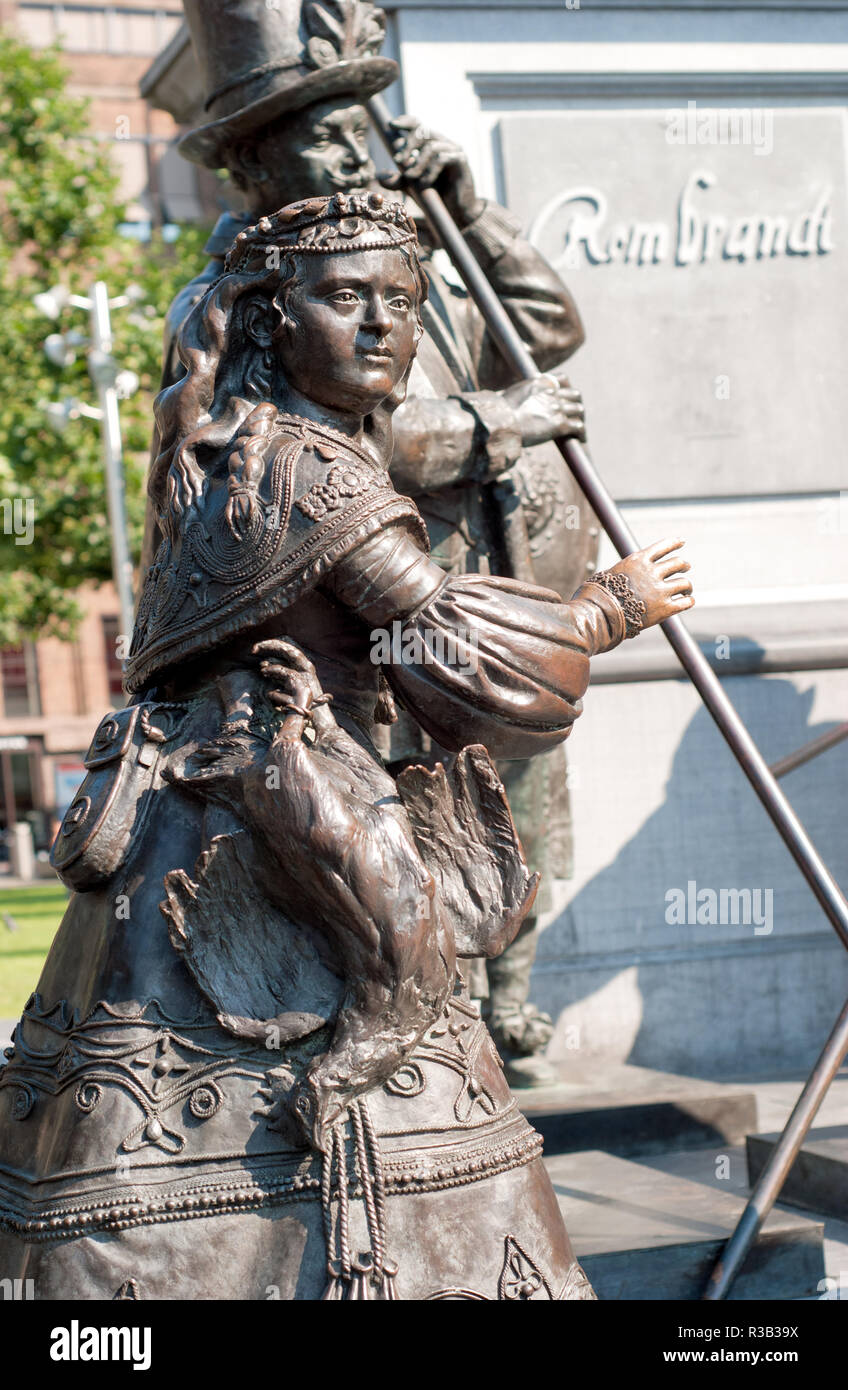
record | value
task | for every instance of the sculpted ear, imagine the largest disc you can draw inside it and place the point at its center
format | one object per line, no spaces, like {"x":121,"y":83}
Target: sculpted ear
{"x":262,"y":320}
{"x":244,"y":162}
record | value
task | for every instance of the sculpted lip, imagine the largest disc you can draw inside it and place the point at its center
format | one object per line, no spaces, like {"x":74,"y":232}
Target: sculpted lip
{"x":358,"y":180}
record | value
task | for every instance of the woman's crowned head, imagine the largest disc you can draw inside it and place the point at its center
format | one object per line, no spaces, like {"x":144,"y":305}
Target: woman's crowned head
{"x":320,"y":302}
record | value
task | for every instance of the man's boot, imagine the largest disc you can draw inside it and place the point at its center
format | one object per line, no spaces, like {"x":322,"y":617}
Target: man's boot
{"x":521,"y":1032}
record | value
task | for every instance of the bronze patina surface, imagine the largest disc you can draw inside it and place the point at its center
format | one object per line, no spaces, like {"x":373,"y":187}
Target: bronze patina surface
{"x":289,"y":123}
{"x":251,"y":1062}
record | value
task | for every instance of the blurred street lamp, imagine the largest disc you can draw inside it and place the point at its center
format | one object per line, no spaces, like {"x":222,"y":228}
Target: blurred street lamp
{"x":52,"y":302}
{"x":59,"y":413}
{"x":113,"y":383}
{"x":126,"y":384}
{"x":61,"y":348}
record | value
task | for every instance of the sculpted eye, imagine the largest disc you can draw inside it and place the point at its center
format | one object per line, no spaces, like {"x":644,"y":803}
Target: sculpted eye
{"x":401,"y":302}
{"x":344,"y":297}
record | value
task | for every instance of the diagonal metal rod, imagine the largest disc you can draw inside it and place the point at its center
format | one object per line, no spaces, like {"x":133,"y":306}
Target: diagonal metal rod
{"x":766,"y":1189}
{"x":694,"y":663}
{"x":810,"y":750}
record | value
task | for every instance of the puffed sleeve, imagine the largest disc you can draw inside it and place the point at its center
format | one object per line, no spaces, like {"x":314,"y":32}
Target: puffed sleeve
{"x":476,"y":659}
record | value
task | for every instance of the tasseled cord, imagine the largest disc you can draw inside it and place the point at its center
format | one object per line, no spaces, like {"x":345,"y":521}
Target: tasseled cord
{"x":371,"y":1275}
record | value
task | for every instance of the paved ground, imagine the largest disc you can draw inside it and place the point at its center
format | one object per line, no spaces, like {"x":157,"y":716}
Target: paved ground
{"x":698,"y":1165}
{"x":776,"y":1097}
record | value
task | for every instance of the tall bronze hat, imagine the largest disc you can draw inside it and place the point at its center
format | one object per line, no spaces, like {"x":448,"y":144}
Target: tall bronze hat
{"x":262,"y":58}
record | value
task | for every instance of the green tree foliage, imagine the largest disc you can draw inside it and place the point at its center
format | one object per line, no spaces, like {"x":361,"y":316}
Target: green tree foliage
{"x":59,"y":224}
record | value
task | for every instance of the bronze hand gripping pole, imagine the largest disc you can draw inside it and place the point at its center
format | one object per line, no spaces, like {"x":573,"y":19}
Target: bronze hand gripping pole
{"x":824,"y":886}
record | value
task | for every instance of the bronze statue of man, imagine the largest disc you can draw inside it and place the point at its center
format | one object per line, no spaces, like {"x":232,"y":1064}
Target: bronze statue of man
{"x":286,"y":119}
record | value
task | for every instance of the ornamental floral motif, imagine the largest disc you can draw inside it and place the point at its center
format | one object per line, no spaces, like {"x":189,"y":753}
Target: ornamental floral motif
{"x":341,"y":30}
{"x":344,"y":481}
{"x":159,"y":1066}
{"x":521,"y":1279}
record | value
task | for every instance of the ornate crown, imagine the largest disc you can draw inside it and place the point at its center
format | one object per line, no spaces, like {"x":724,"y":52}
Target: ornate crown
{"x":323,"y":226}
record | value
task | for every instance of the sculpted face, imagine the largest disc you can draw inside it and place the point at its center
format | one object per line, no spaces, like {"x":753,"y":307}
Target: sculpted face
{"x":352,"y":326}
{"x":311,"y":153}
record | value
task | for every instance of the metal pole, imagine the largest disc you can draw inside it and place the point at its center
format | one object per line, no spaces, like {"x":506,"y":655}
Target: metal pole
{"x":689,"y":654}
{"x":766,"y":1190}
{"x":101,"y":343}
{"x":808,"y":751}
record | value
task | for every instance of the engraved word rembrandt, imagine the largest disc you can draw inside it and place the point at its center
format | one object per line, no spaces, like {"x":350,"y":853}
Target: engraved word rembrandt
{"x":692,"y":263}
{"x":697,"y":235}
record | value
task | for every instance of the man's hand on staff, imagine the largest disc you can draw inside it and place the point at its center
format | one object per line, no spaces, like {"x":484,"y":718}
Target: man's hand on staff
{"x":431,"y":161}
{"x":547,"y":407}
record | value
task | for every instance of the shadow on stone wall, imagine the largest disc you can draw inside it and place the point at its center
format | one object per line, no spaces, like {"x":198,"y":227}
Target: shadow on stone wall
{"x":709,"y":997}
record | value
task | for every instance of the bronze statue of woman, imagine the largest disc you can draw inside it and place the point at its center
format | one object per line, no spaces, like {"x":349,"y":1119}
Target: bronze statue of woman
{"x":252,"y":1062}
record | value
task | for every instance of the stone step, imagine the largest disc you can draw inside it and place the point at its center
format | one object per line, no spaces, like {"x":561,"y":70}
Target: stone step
{"x":818,"y":1179}
{"x":645,"y":1234}
{"x":630,"y":1110}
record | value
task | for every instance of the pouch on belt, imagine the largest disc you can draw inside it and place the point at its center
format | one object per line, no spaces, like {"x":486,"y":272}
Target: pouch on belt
{"x":113,"y":802}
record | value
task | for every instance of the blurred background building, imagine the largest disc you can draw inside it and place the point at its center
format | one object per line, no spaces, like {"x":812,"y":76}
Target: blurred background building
{"x":709,"y":258}
{"x":52,"y":696}
{"x":108,"y":49}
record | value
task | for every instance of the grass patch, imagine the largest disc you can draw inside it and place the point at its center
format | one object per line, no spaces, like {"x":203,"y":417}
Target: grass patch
{"x":37,"y":912}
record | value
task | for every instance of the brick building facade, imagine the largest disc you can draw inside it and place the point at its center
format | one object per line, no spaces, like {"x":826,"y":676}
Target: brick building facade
{"x":107,"y":49}
{"x":52,"y":695}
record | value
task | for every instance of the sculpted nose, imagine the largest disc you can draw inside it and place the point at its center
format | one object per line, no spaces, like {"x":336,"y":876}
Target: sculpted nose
{"x":378,"y":318}
{"x":356,"y":149}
